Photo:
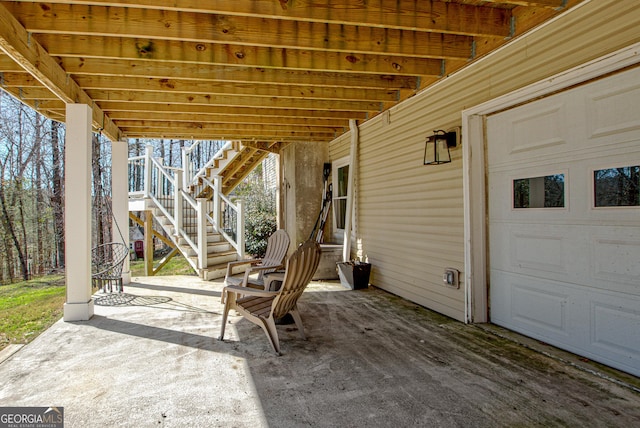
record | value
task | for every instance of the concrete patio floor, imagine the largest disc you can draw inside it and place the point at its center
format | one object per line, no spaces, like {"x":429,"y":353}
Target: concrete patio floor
{"x":150,"y":358}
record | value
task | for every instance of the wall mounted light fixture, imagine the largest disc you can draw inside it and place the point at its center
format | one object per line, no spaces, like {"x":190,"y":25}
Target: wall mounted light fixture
{"x":436,"y":148}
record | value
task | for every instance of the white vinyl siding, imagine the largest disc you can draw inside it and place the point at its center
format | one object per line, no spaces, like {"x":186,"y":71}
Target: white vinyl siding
{"x":410,"y":216}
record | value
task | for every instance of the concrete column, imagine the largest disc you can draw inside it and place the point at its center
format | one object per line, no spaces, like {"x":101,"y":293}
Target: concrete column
{"x":77,"y":218}
{"x":120,"y":199}
{"x":302,"y":193}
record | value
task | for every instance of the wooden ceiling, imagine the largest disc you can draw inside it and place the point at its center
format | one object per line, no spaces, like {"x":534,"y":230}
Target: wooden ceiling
{"x":263,"y":71}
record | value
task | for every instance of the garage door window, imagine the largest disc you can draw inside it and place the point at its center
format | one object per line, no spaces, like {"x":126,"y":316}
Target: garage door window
{"x":617,"y":187}
{"x":539,"y":192}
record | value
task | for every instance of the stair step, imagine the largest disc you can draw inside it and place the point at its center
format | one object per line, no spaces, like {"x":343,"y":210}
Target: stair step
{"x":219,"y":251}
{"x":216,"y":271}
{"x":219,"y":247}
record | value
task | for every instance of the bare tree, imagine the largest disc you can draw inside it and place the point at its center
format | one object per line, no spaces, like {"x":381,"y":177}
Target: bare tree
{"x":57,"y":192}
{"x":19,"y":154}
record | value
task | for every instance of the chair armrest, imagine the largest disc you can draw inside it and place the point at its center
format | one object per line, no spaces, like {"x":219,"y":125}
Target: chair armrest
{"x":231,"y":265}
{"x":270,"y":278}
{"x":248,"y":291}
{"x":265,"y":267}
{"x":253,"y":269}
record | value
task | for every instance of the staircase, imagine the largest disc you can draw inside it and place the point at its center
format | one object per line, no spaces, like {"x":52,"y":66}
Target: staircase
{"x":191,"y":204}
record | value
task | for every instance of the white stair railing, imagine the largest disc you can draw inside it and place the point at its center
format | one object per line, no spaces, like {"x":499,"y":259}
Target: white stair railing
{"x":194,"y":166}
{"x":226,"y":216}
{"x":190,"y":217}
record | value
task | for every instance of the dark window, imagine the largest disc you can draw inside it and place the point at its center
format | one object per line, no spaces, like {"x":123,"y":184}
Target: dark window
{"x":617,"y":187}
{"x":539,"y":192}
{"x":340,"y":197}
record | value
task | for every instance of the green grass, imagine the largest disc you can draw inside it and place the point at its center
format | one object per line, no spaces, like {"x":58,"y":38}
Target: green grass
{"x":28,"y":308}
{"x":178,"y":265}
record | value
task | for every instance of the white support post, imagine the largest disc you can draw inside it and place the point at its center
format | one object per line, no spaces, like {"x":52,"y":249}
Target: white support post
{"x":202,"y":233}
{"x":148,"y":154}
{"x":160,"y":190}
{"x":217,"y":189}
{"x":240,"y":231}
{"x":353,"y":159}
{"x":177,"y":215}
{"x":186,"y":168}
{"x":120,"y":199}
{"x":77,"y":221}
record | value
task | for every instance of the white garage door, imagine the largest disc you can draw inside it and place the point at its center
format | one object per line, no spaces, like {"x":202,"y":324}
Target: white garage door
{"x":564,"y":219}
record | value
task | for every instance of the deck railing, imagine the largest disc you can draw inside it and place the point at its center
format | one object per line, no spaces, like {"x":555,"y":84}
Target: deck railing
{"x":197,"y":159}
{"x":190,"y":217}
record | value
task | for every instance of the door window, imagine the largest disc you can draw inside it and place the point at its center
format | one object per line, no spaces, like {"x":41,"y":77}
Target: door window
{"x":539,"y":192}
{"x":617,"y":187}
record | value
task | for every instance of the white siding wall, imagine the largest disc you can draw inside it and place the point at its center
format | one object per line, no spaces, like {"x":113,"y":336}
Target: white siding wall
{"x":410,"y":216}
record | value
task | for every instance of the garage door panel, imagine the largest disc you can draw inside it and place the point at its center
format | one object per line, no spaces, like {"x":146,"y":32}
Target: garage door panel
{"x":602,"y":326}
{"x":612,"y":108}
{"x":601,"y":257}
{"x":529,"y":132}
{"x":568,"y":272}
{"x":538,"y":252}
{"x":616,"y":261}
{"x":534,"y":249}
{"x":530,"y":304}
{"x":607,"y":333}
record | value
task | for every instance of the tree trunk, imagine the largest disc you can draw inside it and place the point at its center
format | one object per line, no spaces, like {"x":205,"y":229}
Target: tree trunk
{"x":97,"y":192}
{"x":38,"y":265}
{"x":57,"y":199}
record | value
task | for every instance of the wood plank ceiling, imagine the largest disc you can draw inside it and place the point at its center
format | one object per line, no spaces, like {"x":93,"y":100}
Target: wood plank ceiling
{"x":261,"y":71}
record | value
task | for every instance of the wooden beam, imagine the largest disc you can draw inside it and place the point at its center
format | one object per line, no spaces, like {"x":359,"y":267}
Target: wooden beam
{"x":234,"y":89}
{"x":8,"y":64}
{"x":20,"y":46}
{"x":551,"y":4}
{"x":38,"y":94}
{"x":119,"y":116}
{"x":165,"y":260}
{"x":23,"y":79}
{"x":37,"y":105}
{"x":125,"y":106}
{"x":271,"y":147}
{"x":158,"y":235}
{"x":226,"y":127}
{"x":428,"y":45}
{"x":179,"y":134}
{"x":82,"y":65}
{"x":226,"y":134}
{"x":148,"y":243}
{"x":428,"y":16}
{"x":239,"y":55}
{"x":233,"y":101}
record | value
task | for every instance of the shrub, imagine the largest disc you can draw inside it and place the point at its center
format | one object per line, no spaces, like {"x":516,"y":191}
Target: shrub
{"x":260,"y":213}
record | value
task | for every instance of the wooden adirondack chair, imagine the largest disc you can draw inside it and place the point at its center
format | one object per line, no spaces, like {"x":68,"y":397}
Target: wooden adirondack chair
{"x":263,"y":307}
{"x":277,"y":247}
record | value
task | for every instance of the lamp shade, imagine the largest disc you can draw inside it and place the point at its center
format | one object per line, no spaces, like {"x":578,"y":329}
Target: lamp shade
{"x":436,"y":148}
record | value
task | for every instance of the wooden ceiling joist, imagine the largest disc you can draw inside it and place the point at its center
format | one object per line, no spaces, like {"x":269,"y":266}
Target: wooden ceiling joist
{"x":17,"y":44}
{"x":234,"y":74}
{"x":260,"y":71}
{"x":238,"y":89}
{"x":252,"y":28}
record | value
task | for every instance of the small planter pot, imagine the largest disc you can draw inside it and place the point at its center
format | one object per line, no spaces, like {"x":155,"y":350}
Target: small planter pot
{"x":354,"y":275}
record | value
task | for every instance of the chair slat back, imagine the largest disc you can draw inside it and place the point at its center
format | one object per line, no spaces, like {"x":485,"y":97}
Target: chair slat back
{"x":277,"y":247}
{"x":299,"y":270}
